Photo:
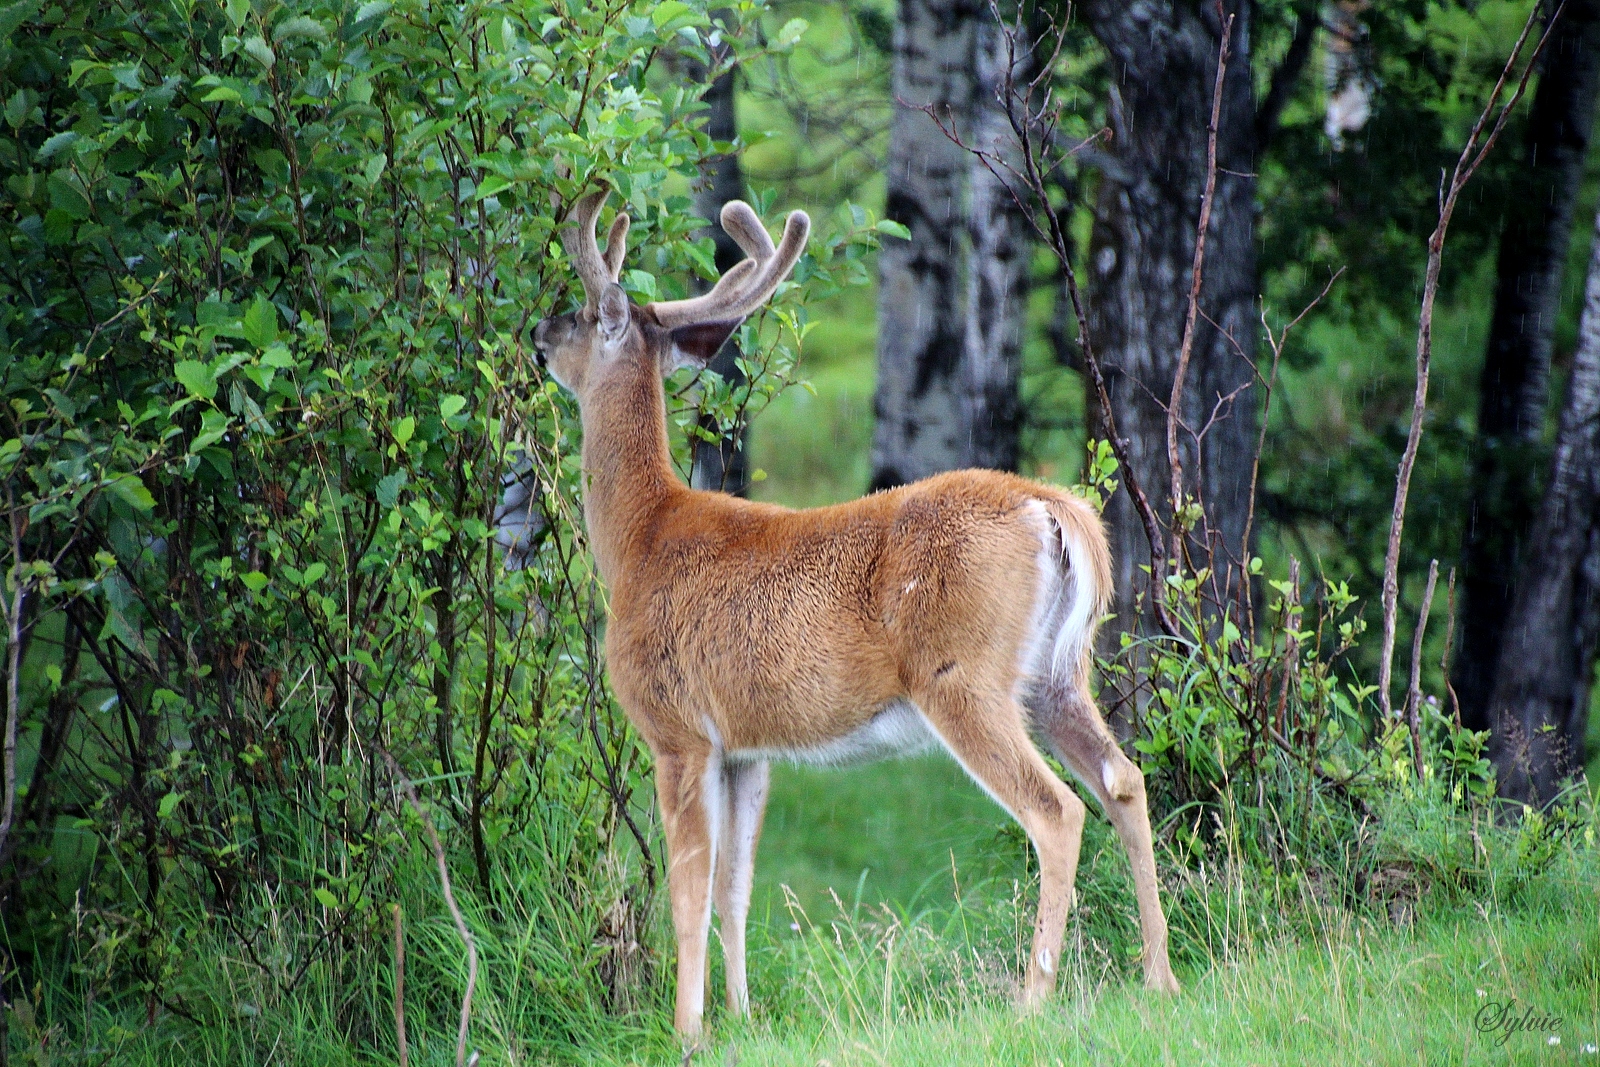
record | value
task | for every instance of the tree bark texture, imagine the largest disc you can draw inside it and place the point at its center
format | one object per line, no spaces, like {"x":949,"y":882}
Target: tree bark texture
{"x":1545,"y":669}
{"x":999,"y":242}
{"x":1514,"y":388}
{"x":723,"y":466}
{"x":1164,"y":59}
{"x":951,"y":299}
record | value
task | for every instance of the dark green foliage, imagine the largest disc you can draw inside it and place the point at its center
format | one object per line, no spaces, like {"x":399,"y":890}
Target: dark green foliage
{"x":266,"y":280}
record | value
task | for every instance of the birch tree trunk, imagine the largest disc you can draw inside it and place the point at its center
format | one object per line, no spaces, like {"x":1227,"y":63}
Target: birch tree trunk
{"x":997,"y":269}
{"x":951,"y":299}
{"x":1546,"y":663}
{"x":1515,"y":384}
{"x":1164,"y":61}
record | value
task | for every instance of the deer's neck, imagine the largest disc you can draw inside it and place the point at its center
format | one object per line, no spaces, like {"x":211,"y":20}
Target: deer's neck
{"x":628,"y":464}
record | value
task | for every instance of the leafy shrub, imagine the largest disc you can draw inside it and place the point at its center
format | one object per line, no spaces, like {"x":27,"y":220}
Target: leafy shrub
{"x":268,"y":276}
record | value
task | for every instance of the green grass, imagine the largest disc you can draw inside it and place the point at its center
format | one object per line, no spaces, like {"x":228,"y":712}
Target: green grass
{"x":1360,"y":994}
{"x":874,"y":834}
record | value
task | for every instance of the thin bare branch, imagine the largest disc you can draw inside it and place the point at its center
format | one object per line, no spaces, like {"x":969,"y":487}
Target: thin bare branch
{"x":1472,"y":155}
{"x":1276,"y":344}
{"x":1449,"y":646}
{"x":1196,"y":276}
{"x":1414,"y":689}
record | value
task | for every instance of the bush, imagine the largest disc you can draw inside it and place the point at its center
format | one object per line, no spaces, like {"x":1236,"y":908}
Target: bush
{"x":268,"y":275}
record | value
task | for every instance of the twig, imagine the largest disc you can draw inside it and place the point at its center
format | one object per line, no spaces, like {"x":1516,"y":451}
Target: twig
{"x":400,"y":985}
{"x":1029,"y":128}
{"x":1269,"y":383}
{"x":1291,"y":643}
{"x":1472,"y":156}
{"x":19,"y":595}
{"x":1196,"y":276}
{"x":1414,"y":689}
{"x":450,"y":902}
{"x":1449,"y":645}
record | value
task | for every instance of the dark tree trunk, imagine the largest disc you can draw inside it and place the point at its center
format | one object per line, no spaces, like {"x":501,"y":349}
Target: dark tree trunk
{"x":951,"y":299}
{"x":1164,"y":62}
{"x":1545,"y":668}
{"x":723,"y":466}
{"x":1514,"y":390}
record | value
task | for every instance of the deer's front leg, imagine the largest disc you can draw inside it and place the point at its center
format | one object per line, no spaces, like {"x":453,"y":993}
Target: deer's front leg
{"x":745,"y":788}
{"x":689,"y":785}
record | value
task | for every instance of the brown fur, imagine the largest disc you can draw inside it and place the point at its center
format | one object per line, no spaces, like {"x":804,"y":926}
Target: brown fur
{"x":738,"y":626}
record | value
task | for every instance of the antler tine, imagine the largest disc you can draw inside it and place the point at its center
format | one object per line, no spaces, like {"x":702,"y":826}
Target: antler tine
{"x":751,"y":281}
{"x":583,"y":250}
{"x":617,"y":245}
{"x":744,"y":226}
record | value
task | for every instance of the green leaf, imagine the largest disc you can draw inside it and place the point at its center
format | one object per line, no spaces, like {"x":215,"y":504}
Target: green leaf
{"x":389,"y":488}
{"x":451,"y":405}
{"x":254,"y":581}
{"x":299,"y":26}
{"x":260,"y":326}
{"x":168,"y":803}
{"x":372,"y":9}
{"x":314,"y":573}
{"x":668,"y":10}
{"x":238,"y":11}
{"x":493,"y":184}
{"x":325,"y":898}
{"x":258,"y":49}
{"x":66,"y":194}
{"x":222,"y":94}
{"x":58,"y":227}
{"x":403,"y":430}
{"x":197,"y":378}
{"x":893,"y":229}
{"x":639,"y":283}
{"x":792,"y":32}
{"x":18,"y":108}
{"x":213,"y":427}
{"x":12,"y":16}
{"x":131,"y":491}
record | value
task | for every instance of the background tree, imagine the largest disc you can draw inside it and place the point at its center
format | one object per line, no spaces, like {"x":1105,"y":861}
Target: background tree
{"x":722,"y":463}
{"x":952,"y":296}
{"x":1513,"y":391}
{"x":1540,"y":703}
{"x":1163,"y":63}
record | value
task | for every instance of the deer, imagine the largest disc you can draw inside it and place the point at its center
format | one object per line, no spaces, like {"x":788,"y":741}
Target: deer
{"x":957,"y":612}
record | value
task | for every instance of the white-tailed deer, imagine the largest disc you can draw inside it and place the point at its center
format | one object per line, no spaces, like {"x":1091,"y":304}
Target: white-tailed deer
{"x":958,"y":611}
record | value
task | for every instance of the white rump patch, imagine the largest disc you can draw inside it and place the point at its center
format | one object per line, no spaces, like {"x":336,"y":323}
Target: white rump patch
{"x":1063,"y":603}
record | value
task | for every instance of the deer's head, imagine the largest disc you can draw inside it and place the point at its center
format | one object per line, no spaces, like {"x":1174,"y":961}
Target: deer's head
{"x":583,"y":348}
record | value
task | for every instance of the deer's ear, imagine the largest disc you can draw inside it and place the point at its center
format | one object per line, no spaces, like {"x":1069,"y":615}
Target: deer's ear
{"x":614,"y":314}
{"x":694,"y":345}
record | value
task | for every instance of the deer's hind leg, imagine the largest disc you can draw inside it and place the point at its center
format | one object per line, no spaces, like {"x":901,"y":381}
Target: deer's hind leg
{"x":1065,"y":713}
{"x":987,"y":733}
{"x":744,"y":802}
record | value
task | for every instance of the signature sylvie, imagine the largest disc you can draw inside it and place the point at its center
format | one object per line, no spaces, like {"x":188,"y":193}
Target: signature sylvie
{"x":1505,"y":1017}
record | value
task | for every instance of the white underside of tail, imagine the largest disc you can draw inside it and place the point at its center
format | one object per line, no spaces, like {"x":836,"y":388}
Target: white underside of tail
{"x":1063,"y":605}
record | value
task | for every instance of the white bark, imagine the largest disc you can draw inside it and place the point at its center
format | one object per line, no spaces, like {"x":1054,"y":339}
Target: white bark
{"x":950,"y":300}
